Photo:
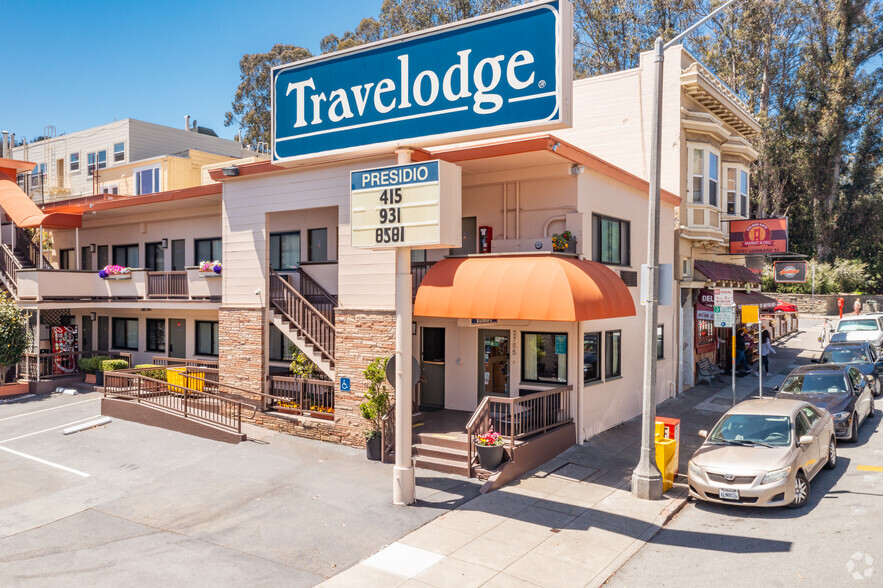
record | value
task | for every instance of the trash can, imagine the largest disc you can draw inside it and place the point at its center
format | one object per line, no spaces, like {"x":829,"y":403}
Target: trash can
{"x":178,"y":376}
{"x":666,"y":461}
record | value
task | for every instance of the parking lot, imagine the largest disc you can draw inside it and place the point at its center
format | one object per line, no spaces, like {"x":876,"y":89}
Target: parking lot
{"x":126,"y":504}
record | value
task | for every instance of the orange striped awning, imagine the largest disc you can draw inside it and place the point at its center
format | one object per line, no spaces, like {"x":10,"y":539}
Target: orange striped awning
{"x":525,"y":287}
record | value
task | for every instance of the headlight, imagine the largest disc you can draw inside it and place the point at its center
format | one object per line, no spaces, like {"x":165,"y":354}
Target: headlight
{"x":776,"y":475}
{"x":694,"y":469}
{"x":841,"y":416}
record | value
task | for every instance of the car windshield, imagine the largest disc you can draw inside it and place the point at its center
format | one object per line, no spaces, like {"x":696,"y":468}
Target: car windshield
{"x":858,"y":325}
{"x":844,"y":355}
{"x":750,"y":429}
{"x":814,"y":384}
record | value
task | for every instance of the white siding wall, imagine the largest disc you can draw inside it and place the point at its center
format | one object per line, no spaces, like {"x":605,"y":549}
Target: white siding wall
{"x":150,"y":140}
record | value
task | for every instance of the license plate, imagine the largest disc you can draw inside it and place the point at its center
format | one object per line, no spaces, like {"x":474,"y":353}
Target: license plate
{"x":729,"y":494}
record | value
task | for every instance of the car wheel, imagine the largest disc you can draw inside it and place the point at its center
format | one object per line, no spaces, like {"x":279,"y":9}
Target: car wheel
{"x":801,"y":490}
{"x":853,"y":437}
{"x":832,"y":454}
{"x":872,"y":412}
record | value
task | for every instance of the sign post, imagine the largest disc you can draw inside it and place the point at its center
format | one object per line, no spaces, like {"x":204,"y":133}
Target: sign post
{"x":751,"y":314}
{"x":725,"y":316}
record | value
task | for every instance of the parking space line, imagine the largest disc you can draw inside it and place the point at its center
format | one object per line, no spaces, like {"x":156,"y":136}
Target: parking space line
{"x":864,"y":468}
{"x":45,"y":409}
{"x":49,"y":429}
{"x":45,"y":462}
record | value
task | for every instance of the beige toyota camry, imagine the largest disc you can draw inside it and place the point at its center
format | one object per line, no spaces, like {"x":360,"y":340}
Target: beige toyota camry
{"x":763,"y":453}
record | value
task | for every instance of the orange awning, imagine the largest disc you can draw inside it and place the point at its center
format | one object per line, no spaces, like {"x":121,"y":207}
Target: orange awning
{"x":24,"y":213}
{"x":526,"y":287}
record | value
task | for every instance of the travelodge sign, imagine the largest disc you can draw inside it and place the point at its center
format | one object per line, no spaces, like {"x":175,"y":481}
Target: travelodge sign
{"x":500,"y":73}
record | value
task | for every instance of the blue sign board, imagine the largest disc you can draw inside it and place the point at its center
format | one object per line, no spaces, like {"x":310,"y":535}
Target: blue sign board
{"x":344,"y":384}
{"x":490,"y":75}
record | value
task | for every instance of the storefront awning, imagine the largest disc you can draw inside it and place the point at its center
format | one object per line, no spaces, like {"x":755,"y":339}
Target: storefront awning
{"x":19,"y":207}
{"x":525,"y":287}
{"x":748,"y":298}
{"x":716,"y":271}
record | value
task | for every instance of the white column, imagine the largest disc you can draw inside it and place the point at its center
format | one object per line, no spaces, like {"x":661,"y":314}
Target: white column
{"x":77,"y":247}
{"x":403,"y":487}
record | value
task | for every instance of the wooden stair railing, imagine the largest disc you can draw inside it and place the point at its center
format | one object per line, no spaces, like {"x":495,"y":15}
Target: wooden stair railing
{"x":30,"y":250}
{"x":322,"y":299}
{"x":9,"y":265}
{"x":309,"y":322}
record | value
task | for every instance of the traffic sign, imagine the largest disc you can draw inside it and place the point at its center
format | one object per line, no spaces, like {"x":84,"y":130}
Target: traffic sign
{"x":723,"y":297}
{"x":724,"y":316}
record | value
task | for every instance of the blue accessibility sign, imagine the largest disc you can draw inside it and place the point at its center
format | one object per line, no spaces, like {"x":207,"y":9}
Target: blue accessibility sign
{"x":344,"y":384}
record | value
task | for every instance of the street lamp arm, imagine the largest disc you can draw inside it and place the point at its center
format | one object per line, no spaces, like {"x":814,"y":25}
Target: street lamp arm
{"x":698,"y":24}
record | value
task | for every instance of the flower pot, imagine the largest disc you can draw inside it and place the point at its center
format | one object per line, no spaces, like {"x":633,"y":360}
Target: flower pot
{"x":373,"y":448}
{"x":91,"y":379}
{"x":490,"y":458}
{"x":119,"y":277}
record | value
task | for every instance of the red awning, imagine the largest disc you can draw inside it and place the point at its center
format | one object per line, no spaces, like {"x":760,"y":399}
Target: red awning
{"x":19,"y":207}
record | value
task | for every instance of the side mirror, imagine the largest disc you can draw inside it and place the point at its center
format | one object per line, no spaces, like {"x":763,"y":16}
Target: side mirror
{"x":776,"y":389}
{"x":805,"y":440}
{"x":703,"y":433}
{"x":814,"y":360}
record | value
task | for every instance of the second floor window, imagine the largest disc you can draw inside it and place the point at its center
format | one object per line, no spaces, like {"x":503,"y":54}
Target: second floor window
{"x":95,"y":161}
{"x":207,"y":250}
{"x":75,"y":162}
{"x":730,"y":186}
{"x":704,"y":176}
{"x":125,"y":255}
{"x":743,"y":194}
{"x":119,"y":152}
{"x":318,"y":244}
{"x":66,"y":259}
{"x":154,"y":257}
{"x":713,"y":161}
{"x":698,"y":175}
{"x":284,"y":250}
{"x":610,"y":240}
{"x":147,"y":181}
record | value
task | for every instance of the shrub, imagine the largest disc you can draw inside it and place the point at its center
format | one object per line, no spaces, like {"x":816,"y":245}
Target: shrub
{"x":90,"y":364}
{"x":376,"y":403}
{"x":149,"y":370}
{"x":13,"y":334}
{"x":302,"y":367}
{"x":109,"y":365}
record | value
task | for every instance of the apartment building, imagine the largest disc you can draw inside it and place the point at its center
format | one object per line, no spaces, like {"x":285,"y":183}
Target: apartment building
{"x":707,"y":152}
{"x":76,"y":164}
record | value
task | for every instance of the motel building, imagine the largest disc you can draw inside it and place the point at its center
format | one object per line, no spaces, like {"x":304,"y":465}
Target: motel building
{"x":546,"y":346}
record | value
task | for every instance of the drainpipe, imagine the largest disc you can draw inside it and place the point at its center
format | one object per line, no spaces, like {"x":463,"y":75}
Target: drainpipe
{"x":549,"y":223}
{"x":77,"y":247}
{"x":518,"y":210}
{"x":40,"y":253}
{"x":505,"y":213}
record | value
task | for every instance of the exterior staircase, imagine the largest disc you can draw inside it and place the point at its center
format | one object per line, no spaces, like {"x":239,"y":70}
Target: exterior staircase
{"x":441,"y":453}
{"x":25,"y":255}
{"x":311,"y":329}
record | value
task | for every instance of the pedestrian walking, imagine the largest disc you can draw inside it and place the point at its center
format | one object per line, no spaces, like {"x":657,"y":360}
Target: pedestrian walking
{"x":766,"y":347}
{"x":741,"y":358}
{"x":857,"y":307}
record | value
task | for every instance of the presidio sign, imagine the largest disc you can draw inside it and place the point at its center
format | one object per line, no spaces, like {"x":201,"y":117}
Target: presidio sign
{"x":486,"y":76}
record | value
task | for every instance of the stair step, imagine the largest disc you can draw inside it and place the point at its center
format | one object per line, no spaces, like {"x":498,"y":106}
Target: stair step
{"x":442,"y":440}
{"x":424,"y":450}
{"x":445,"y":466}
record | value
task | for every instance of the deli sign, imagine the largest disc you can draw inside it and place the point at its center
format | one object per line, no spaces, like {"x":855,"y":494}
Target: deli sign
{"x":757,"y":236}
{"x":486,"y":76}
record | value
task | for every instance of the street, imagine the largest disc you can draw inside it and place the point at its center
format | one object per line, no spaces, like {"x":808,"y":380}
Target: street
{"x":833,"y":541}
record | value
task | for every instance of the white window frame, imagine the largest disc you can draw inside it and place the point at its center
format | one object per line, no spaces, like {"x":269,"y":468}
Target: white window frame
{"x":70,"y":163}
{"x":122,"y":153}
{"x":157,"y":178}
{"x":744,"y":205}
{"x":110,"y":189}
{"x":705,"y":173}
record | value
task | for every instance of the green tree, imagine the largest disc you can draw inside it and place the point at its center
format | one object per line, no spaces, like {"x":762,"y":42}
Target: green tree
{"x":13,"y":334}
{"x":251,"y":103}
{"x":376,"y":403}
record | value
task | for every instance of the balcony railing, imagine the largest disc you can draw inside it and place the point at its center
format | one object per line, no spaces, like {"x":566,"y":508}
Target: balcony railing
{"x":45,"y":366}
{"x":312,"y":398}
{"x":167,"y":285}
{"x":76,"y":285}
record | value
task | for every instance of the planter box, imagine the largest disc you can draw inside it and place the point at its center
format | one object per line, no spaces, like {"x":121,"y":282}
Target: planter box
{"x":209,"y":275}
{"x":91,"y":379}
{"x":325,"y":416}
{"x":13,"y":389}
{"x":119,"y":277}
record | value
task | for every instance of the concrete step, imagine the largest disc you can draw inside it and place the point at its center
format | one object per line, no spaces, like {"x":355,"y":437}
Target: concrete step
{"x":424,"y":450}
{"x":442,"y":440}
{"x":445,"y":466}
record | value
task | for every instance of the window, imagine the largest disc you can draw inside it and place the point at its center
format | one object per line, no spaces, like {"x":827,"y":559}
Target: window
{"x":38,"y":175}
{"x":110,"y":189}
{"x":610,"y":240}
{"x":206,"y":338}
{"x":285,"y":250}
{"x":119,"y":152}
{"x":66,"y":259}
{"x":743,"y":194}
{"x":698,"y":175}
{"x":207,"y":250}
{"x":103,"y":257}
{"x":318,"y":244}
{"x":418,"y":255}
{"x":147,"y":181}
{"x":591,"y":357}
{"x":545,"y":357}
{"x":660,"y":342}
{"x":125,"y":333}
{"x":731,"y":190}
{"x":713,"y":171}
{"x":86,"y":258}
{"x":811,"y":415}
{"x":613,"y":353}
{"x":280,"y":348}
{"x":156,"y":335}
{"x":154,"y":257}
{"x":125,"y":255}
{"x":97,"y":160}
{"x":75,"y":162}
{"x":801,"y":426}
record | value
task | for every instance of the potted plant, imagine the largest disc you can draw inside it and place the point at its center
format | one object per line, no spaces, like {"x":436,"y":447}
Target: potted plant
{"x":115,"y":272}
{"x":90,"y":365}
{"x":109,"y":365}
{"x":13,"y":342}
{"x":375,"y":406}
{"x":490,"y":449}
{"x":563,"y":242}
{"x":210,"y":267}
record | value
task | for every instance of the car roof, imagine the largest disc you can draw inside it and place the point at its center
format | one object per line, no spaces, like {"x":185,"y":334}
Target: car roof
{"x":768,"y":406}
{"x":847,"y":344}
{"x":819,"y":367}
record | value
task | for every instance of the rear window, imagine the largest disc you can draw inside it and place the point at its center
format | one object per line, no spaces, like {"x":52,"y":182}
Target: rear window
{"x":858,"y":325}
{"x":814,"y":384}
{"x":736,"y":428}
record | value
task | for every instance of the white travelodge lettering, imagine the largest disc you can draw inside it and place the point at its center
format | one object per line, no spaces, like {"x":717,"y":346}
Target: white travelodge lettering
{"x":425,"y":88}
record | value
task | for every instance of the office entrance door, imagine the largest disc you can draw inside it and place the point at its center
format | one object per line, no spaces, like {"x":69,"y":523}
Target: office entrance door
{"x":493,"y":362}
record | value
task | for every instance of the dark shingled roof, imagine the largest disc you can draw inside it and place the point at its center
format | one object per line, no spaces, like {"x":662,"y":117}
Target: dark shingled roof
{"x":725,"y":272}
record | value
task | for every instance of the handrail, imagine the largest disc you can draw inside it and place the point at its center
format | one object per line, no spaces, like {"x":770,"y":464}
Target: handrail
{"x":388,"y":433}
{"x":311,"y":323}
{"x":167,"y":285}
{"x":310,"y":288}
{"x":9,"y":265}
{"x":164,"y":360}
{"x":303,"y":396}
{"x":36,"y":366}
{"x":29,"y":249}
{"x":480,"y":416}
{"x":418,"y":270}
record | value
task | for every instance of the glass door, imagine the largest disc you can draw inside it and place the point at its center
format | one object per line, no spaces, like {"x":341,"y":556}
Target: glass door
{"x":493,"y":362}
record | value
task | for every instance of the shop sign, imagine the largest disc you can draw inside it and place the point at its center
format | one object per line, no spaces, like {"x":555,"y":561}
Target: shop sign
{"x":413,"y":205}
{"x":501,"y":73}
{"x":706,"y":297}
{"x":704,"y":315}
{"x":790,"y":272}
{"x":476,"y":321}
{"x":724,"y":316}
{"x":723,"y":297}
{"x":561,"y":344}
{"x":762,"y":235}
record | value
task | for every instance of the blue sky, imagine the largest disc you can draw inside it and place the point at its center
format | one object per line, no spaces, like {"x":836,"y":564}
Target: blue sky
{"x":77,"y":64}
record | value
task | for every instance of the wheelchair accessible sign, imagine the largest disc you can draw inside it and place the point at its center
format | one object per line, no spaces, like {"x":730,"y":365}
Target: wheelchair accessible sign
{"x":724,"y":316}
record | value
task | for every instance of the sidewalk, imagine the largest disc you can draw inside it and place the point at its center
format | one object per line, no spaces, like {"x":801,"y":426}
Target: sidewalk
{"x":571,"y":522}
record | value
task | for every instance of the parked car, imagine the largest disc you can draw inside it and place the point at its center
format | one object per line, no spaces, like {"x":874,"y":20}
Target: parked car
{"x":784,"y":307}
{"x":839,"y":389}
{"x":860,"y":354}
{"x":763,"y":453}
{"x":868,"y":327}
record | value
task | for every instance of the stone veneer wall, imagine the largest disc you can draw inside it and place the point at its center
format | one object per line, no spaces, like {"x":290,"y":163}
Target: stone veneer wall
{"x":362,"y":336}
{"x":241,"y":336}
{"x":825,"y":304}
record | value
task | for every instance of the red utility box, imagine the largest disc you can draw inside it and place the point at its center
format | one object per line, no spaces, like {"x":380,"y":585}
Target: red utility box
{"x":672,"y":430}
{"x":485,"y":239}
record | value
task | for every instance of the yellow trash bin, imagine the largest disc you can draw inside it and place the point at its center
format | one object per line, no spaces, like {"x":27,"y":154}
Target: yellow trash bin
{"x":178,"y":376}
{"x":666,"y":460}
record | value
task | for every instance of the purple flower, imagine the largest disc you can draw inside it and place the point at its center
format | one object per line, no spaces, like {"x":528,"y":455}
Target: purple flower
{"x":102,"y":274}
{"x":216,"y":269}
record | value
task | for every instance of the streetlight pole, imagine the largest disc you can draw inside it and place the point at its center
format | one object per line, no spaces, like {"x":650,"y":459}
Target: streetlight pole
{"x":646,"y":479}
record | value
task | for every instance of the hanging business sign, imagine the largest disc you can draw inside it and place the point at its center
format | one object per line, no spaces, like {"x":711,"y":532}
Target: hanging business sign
{"x":412,"y":205}
{"x":790,"y":272}
{"x":495,"y":74}
{"x":759,"y":236}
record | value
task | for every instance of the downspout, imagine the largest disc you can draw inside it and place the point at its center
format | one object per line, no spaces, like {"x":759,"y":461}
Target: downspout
{"x":505,"y":212}
{"x":40,"y":253}
{"x":77,"y":247}
{"x":518,"y":210}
